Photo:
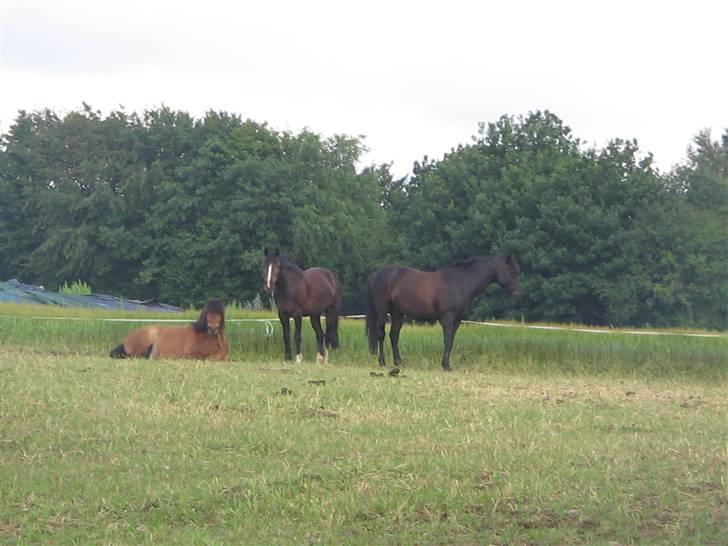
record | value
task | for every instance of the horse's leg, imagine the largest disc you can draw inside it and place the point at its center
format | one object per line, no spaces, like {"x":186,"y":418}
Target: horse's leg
{"x":381,"y":321}
{"x":331,"y":336}
{"x":222,"y":350}
{"x":449,"y":326}
{"x":320,"y":351}
{"x":286,"y":327}
{"x":394,"y":329}
{"x":297,"y":319}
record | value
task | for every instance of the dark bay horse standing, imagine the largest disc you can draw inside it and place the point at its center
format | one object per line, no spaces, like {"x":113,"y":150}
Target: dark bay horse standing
{"x":445,"y":295}
{"x":310,"y":293}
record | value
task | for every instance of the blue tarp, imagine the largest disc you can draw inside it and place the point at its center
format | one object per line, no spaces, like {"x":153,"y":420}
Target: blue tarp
{"x":14,"y":291}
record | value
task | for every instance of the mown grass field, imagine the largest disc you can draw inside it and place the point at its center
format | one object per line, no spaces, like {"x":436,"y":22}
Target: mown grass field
{"x":538,"y":437}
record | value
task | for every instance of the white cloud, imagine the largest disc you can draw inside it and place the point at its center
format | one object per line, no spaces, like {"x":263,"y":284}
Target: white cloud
{"x":415,"y":78}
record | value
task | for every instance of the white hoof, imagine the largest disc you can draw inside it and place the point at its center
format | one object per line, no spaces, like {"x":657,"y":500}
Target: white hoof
{"x":299,"y":358}
{"x":320,"y":359}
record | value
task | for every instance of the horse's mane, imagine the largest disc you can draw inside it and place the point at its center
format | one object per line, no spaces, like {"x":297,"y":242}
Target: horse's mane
{"x":464,"y":264}
{"x":469,"y":262}
{"x":213,"y":306}
{"x":287,"y":260}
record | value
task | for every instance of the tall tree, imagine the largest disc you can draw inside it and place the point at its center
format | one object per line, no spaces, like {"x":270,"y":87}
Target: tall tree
{"x":526,"y":186}
{"x":162,"y":205}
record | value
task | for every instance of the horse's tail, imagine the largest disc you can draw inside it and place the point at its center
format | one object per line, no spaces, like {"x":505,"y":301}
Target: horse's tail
{"x":118,"y":352}
{"x":371,"y":321}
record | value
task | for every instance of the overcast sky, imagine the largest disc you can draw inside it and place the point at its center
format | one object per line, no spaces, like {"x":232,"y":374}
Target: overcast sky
{"x":414,"y":77}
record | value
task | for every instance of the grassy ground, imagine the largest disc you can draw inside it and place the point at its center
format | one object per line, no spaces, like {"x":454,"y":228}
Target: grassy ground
{"x":477,"y":347}
{"x":537,"y":438}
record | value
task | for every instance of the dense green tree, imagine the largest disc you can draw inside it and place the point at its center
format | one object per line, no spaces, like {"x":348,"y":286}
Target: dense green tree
{"x":161,"y":205}
{"x":687,"y":235}
{"x":576,"y":218}
{"x":166,"y":206}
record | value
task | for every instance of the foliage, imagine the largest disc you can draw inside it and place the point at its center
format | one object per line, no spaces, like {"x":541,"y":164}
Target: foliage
{"x":77,"y":288}
{"x":162,"y":205}
{"x":602,"y":236}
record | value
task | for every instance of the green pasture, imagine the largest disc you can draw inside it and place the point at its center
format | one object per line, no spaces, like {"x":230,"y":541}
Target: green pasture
{"x":477,"y":347}
{"x":538,"y":437}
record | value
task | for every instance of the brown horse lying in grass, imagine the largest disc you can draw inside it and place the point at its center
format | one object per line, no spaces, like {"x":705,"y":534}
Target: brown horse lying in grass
{"x":203,"y":339}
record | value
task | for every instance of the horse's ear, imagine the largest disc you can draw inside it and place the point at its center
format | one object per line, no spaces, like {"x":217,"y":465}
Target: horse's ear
{"x":277,"y":252}
{"x":509,"y":259}
{"x":265,"y":251}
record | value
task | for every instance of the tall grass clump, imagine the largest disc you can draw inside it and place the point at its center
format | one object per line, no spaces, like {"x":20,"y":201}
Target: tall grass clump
{"x":76,"y":288}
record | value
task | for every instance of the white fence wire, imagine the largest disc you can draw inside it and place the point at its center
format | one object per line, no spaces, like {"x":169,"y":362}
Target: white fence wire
{"x":270,"y":328}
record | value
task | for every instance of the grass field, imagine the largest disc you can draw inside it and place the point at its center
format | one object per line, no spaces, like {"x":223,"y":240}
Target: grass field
{"x":538,"y":437}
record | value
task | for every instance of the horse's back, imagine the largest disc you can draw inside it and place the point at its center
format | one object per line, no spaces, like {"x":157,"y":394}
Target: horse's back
{"x":323,"y":285}
{"x":321,"y":274}
{"x":382,"y":277}
{"x":393,"y":275}
{"x":410,"y":291}
{"x":137,"y":342}
{"x":172,"y":341}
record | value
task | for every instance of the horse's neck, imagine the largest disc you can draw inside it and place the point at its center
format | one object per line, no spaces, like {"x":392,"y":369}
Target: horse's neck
{"x":477,"y":277}
{"x":289,"y":281}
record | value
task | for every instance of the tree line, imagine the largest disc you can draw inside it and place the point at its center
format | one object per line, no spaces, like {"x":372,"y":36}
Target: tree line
{"x":160,"y":205}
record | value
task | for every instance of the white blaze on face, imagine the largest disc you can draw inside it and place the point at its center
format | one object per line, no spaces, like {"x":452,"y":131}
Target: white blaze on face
{"x":270,"y":272}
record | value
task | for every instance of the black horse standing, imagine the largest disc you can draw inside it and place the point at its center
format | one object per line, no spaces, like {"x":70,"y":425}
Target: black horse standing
{"x":445,"y":295}
{"x":298,"y":294}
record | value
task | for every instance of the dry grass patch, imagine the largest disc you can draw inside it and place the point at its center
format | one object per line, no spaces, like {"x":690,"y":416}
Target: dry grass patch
{"x":177,"y":452}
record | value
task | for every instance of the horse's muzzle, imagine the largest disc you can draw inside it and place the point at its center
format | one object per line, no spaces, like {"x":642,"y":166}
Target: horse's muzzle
{"x":212,"y":331}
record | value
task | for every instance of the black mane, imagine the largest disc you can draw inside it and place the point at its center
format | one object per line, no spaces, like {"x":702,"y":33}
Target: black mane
{"x":213,"y":306}
{"x":287,"y":261}
{"x":470,"y":262}
{"x":463,"y":264}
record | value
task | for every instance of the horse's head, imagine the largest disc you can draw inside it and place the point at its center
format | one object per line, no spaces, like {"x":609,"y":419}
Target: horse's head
{"x":212,"y":318}
{"x":507,"y":276}
{"x":272,"y":268}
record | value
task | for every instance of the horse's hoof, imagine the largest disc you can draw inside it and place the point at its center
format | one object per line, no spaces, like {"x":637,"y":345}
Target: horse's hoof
{"x":299,"y":358}
{"x":446,"y":369}
{"x":320,"y":359}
